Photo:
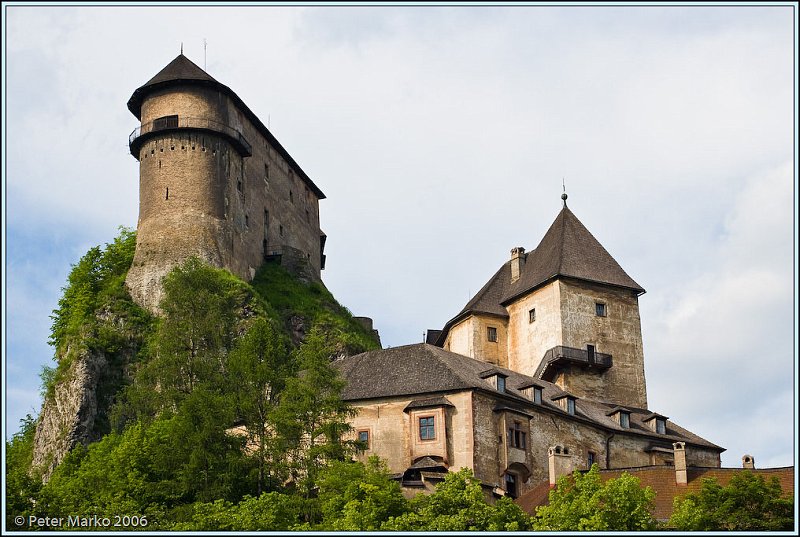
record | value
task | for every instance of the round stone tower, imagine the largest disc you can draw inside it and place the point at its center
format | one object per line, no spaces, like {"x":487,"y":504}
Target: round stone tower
{"x":216,"y":184}
{"x":191,"y":157}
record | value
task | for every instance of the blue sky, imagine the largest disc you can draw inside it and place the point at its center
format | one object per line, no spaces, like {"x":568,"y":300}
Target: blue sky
{"x":440,"y":136}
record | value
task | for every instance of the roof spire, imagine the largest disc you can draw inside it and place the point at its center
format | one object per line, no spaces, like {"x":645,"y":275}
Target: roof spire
{"x":181,"y":48}
{"x":564,"y":195}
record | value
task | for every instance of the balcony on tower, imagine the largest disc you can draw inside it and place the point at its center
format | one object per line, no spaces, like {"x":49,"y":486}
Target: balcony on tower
{"x":560,"y":357}
{"x":179,"y":123}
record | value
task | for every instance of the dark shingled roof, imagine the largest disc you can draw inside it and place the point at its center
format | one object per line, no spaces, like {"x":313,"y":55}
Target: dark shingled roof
{"x":182,"y":71}
{"x":429,"y":371}
{"x":568,"y":250}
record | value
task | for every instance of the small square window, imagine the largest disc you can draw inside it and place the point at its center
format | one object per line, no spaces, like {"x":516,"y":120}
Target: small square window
{"x":600,"y":309}
{"x":491,"y":333}
{"x":537,"y":395}
{"x":363,"y":437}
{"x":427,"y":429}
{"x":501,"y":383}
{"x":531,"y":315}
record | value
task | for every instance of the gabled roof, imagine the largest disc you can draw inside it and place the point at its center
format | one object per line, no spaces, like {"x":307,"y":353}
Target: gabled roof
{"x":422,"y":371}
{"x":568,"y":249}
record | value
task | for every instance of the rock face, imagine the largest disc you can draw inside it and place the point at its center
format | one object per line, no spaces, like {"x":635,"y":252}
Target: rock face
{"x":68,"y":417}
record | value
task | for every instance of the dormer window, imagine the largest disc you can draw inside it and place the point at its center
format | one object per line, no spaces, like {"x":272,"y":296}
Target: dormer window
{"x":657,"y":423}
{"x":624,"y":419}
{"x":496,"y":379}
{"x":571,"y":406}
{"x":661,"y":426}
{"x":537,"y":395}
{"x":567,"y":403}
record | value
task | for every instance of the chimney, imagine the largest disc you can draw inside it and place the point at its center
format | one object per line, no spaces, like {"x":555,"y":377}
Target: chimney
{"x":748,"y":462}
{"x":517,"y":262}
{"x":679,"y":450}
{"x":559,"y":463}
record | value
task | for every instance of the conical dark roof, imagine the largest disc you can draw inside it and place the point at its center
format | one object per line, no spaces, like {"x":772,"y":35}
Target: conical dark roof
{"x":568,"y":249}
{"x":179,"y":70}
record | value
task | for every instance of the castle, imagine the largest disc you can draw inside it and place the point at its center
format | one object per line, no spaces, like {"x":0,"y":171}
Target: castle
{"x":540,"y":373}
{"x":214,"y":183}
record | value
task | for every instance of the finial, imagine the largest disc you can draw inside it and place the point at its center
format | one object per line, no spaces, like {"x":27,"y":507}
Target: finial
{"x":564,"y":195}
{"x":181,"y":48}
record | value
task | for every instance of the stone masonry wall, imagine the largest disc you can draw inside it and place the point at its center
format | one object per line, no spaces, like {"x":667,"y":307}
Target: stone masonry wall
{"x":200,"y":196}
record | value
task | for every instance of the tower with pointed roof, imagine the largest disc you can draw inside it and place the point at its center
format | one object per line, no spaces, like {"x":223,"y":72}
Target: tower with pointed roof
{"x":565,"y":312}
{"x":214,"y":183}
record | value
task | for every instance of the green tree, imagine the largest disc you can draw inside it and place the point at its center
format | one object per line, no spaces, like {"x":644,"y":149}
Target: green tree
{"x":258,"y":368}
{"x":358,"y":497}
{"x":271,"y":511}
{"x":311,"y":417}
{"x":21,"y":487}
{"x":583,"y":502}
{"x":459,"y":504}
{"x":748,"y":503}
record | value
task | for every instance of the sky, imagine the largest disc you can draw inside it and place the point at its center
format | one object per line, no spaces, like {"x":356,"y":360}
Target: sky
{"x":441,"y":137}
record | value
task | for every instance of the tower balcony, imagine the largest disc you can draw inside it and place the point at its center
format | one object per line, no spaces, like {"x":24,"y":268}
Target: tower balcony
{"x":177,"y":123}
{"x":560,"y":357}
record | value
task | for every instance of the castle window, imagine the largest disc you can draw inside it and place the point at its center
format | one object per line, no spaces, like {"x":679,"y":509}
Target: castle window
{"x":501,"y":384}
{"x":491,"y":333}
{"x":308,"y":216}
{"x":591,"y":458}
{"x":427,"y":428}
{"x":625,"y":419}
{"x":165,"y":122}
{"x":537,"y":395}
{"x":590,"y":353}
{"x":511,"y":485}
{"x":291,"y":196}
{"x":571,"y":406}
{"x":239,"y":185}
{"x":532,"y":315}
{"x":600,"y":309}
{"x":661,"y":426}
{"x":167,"y":196}
{"x":266,"y":172}
{"x":246,"y":221}
{"x":516,"y":436}
{"x":280,"y":230}
{"x":363,"y":436}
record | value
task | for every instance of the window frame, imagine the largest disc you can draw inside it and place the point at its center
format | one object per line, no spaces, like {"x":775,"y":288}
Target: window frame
{"x":661,"y":426}
{"x":501,"y":383}
{"x":600,"y":309}
{"x":537,"y":395}
{"x":368,"y":441}
{"x":624,"y":419}
{"x":531,"y":315}
{"x":517,"y":437}
{"x":491,"y":334}
{"x":431,"y":427}
{"x":571,"y":406}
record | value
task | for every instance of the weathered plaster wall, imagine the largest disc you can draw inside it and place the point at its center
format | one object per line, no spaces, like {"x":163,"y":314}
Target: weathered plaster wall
{"x":619,"y":333}
{"x":528,"y":341}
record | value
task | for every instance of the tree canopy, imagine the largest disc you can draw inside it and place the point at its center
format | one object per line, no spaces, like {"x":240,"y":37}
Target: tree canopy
{"x":582,"y":502}
{"x":747,"y":503}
